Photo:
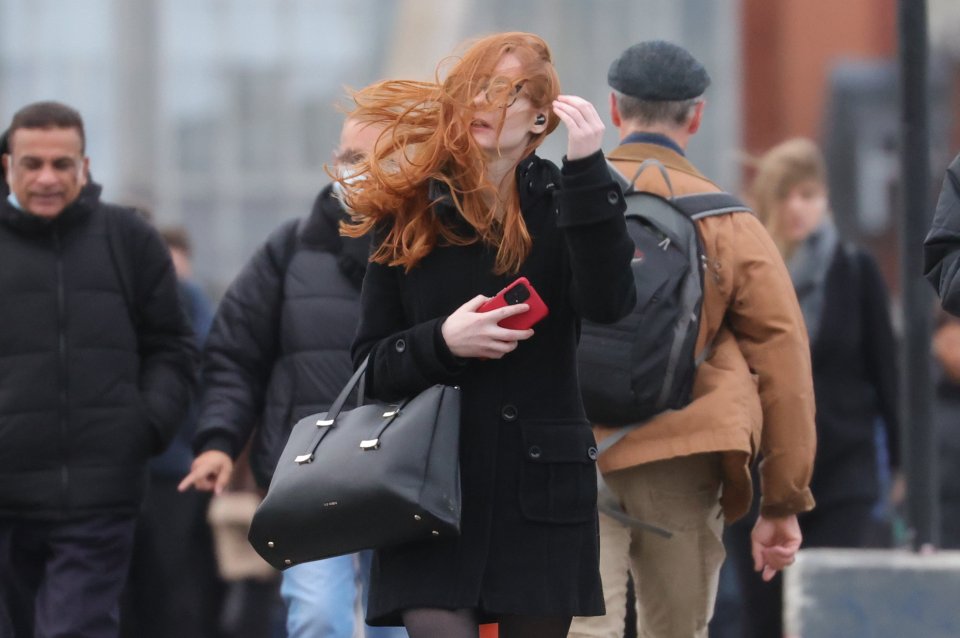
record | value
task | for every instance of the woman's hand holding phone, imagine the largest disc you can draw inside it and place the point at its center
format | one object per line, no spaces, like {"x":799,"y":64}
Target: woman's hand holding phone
{"x":472,"y":333}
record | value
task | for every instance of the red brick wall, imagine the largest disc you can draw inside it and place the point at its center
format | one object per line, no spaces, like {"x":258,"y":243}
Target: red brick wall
{"x":788,"y":49}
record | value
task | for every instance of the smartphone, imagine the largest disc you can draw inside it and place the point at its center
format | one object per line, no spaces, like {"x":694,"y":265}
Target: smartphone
{"x":519,"y":291}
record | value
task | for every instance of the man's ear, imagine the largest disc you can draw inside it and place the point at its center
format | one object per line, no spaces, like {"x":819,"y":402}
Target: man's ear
{"x":7,"y":162}
{"x":614,"y":111}
{"x":84,"y":171}
{"x":694,"y":125}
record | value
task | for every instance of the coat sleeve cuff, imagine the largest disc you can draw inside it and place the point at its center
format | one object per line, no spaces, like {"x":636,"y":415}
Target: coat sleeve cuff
{"x":451,"y":362}
{"x":589,"y":194}
{"x":432,"y":354}
{"x":801,"y":501}
{"x":219,"y":443}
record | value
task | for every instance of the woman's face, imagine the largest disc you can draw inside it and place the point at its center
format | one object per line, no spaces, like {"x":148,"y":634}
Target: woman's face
{"x":802,"y":210}
{"x":518,"y":116}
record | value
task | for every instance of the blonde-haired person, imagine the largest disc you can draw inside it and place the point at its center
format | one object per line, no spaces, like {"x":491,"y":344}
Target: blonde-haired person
{"x":846,"y":309}
{"x":460,"y":205}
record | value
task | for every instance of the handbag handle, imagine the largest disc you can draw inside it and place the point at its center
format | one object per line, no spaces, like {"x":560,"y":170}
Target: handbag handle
{"x":341,"y":399}
{"x":325,"y":424}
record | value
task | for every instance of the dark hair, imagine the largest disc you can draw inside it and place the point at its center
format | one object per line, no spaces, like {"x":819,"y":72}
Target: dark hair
{"x":673,"y":112}
{"x":47,"y":115}
{"x":176,"y":237}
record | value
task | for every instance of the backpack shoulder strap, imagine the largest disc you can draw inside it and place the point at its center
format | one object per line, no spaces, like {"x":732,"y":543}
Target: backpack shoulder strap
{"x":627,"y":186}
{"x":703,"y":205}
{"x":118,"y":245}
{"x":292,"y":244}
{"x":607,"y":501}
{"x":852,"y":253}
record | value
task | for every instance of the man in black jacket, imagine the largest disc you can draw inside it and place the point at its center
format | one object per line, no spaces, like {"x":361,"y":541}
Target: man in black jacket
{"x":96,"y":372}
{"x":941,"y":249}
{"x":279,"y":350}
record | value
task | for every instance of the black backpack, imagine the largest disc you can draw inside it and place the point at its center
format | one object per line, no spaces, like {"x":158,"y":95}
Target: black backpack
{"x":644,"y":364}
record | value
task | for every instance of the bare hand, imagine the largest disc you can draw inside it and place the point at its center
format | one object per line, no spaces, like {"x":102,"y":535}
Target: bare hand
{"x":473,"y":334}
{"x":898,"y":489}
{"x":946,"y":348}
{"x":774,"y":544}
{"x":210,"y":471}
{"x":584,"y":126}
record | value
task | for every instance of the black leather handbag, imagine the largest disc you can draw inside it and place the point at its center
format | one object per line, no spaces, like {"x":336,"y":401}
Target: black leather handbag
{"x":367,"y":478}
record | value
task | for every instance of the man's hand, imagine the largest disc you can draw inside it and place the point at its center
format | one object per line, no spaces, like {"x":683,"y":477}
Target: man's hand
{"x":210,"y":471}
{"x":774,"y":542}
{"x":946,"y":349}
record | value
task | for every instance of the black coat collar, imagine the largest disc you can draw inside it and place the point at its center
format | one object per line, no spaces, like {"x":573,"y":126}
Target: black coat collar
{"x":74,"y":214}
{"x":535,"y":178}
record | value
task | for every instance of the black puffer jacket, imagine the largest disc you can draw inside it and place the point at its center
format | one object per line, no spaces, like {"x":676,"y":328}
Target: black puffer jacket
{"x":90,"y":385}
{"x":279,"y":348}
{"x":941,"y":249}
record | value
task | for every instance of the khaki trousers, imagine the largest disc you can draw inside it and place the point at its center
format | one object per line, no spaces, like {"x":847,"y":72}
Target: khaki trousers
{"x":675,"y":579}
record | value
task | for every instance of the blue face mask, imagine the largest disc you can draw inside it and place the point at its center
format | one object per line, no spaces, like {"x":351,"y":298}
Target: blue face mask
{"x":12,"y":198}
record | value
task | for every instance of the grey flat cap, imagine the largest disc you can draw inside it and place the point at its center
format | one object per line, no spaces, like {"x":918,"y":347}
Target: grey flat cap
{"x":658,"y":71}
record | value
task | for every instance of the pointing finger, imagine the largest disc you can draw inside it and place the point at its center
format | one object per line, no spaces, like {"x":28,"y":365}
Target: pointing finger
{"x":187,"y":482}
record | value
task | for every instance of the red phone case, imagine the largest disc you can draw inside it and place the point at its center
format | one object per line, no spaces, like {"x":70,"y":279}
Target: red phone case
{"x":538,"y":309}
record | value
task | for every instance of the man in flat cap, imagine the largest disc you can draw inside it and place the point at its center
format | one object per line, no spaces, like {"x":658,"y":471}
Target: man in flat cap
{"x":687,"y":470}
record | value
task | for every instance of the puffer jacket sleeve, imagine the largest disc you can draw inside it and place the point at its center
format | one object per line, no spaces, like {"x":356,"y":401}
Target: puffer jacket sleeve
{"x":242,"y":348}
{"x":591,"y":208}
{"x":941,"y":249}
{"x":168,"y":351}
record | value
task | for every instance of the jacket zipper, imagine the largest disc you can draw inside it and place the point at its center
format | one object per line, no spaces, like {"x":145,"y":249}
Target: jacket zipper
{"x":62,"y":352}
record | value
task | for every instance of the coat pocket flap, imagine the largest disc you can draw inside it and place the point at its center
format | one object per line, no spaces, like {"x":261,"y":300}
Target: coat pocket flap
{"x":558,"y":442}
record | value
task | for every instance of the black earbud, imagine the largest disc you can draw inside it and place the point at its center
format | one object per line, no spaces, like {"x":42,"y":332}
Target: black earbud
{"x":541,"y":119}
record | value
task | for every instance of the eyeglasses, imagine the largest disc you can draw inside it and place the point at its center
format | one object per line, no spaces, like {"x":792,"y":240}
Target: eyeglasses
{"x":502,"y":92}
{"x":348,"y":156}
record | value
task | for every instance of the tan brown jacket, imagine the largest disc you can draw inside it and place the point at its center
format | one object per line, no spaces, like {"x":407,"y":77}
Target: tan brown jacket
{"x":755,"y":390}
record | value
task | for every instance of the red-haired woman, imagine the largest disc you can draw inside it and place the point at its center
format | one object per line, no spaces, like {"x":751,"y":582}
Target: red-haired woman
{"x":460,"y":206}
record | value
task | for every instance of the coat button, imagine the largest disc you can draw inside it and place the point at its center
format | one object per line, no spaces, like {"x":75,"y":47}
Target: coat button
{"x":400,"y":345}
{"x":592,"y":453}
{"x":509,"y":412}
{"x":613,"y":197}
{"x":534,"y":452}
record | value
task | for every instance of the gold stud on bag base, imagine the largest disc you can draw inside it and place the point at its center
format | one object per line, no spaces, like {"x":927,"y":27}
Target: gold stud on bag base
{"x":374,"y":476}
{"x":288,"y":562}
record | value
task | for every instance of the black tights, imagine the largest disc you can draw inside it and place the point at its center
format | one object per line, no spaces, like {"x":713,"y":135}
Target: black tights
{"x":462,"y":623}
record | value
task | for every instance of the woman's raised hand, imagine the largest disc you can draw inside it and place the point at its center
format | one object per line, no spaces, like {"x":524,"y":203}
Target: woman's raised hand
{"x":584,"y":126}
{"x":472,"y":334}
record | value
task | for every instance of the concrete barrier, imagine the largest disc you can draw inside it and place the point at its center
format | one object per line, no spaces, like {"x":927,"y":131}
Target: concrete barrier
{"x":833,"y":593}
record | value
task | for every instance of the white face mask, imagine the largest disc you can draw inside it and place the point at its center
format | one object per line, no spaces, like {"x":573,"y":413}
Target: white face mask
{"x":348,"y":175}
{"x":12,"y":198}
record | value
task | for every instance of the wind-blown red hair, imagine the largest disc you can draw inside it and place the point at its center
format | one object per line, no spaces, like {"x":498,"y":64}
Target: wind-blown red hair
{"x":426,"y":136}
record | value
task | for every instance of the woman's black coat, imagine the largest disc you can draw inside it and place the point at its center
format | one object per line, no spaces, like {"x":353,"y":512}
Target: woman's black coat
{"x":855,"y":380}
{"x":529,"y":526}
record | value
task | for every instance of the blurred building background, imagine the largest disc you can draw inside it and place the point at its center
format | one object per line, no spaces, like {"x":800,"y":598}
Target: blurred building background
{"x":220,"y":114}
